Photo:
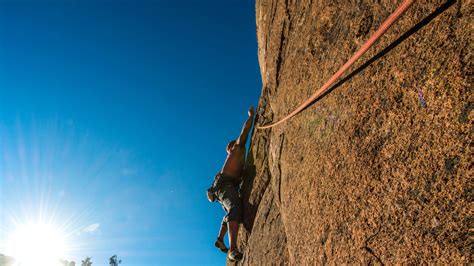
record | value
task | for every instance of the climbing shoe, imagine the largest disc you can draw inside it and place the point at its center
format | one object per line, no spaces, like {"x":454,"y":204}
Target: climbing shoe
{"x":220,"y":245}
{"x":234,"y":255}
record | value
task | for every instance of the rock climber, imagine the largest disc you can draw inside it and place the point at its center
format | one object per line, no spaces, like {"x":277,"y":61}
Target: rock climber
{"x":225,"y":189}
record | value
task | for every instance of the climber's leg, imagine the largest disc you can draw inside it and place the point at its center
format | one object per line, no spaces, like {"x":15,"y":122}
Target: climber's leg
{"x":230,"y":199}
{"x":233,"y":231}
{"x":222,"y":230}
{"x":220,"y":238}
{"x":234,"y":254}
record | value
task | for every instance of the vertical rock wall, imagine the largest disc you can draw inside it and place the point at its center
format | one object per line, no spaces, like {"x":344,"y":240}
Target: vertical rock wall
{"x":366,"y":174}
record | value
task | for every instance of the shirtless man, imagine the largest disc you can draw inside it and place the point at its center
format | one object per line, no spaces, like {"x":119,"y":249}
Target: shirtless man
{"x":225,"y":189}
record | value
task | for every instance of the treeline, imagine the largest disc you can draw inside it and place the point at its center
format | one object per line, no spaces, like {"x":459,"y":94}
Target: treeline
{"x":113,"y":261}
{"x":10,"y":261}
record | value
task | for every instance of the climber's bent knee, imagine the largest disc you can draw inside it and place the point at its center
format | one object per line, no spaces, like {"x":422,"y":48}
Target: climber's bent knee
{"x":232,"y":203}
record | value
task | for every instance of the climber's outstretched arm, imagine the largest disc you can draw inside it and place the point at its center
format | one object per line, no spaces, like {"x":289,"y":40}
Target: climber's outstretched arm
{"x":246,"y":129}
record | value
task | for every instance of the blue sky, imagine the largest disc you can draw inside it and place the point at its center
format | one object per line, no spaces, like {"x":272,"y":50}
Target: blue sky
{"x":114,"y":117}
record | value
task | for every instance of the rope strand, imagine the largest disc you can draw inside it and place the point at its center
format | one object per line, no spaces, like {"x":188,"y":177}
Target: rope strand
{"x":381,"y":30}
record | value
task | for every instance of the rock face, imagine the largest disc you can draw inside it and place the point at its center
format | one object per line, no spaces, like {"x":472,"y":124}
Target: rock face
{"x":366,"y":175}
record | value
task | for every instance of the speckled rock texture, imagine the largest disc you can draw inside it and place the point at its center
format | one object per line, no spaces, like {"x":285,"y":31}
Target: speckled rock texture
{"x":366,"y":175}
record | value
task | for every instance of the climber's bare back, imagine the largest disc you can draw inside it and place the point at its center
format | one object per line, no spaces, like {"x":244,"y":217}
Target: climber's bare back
{"x":234,"y":163}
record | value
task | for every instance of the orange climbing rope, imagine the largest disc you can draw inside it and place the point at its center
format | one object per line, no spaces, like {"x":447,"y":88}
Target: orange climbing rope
{"x":385,"y":25}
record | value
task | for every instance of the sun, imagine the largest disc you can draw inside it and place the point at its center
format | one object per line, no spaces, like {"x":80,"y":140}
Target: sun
{"x":36,"y":245}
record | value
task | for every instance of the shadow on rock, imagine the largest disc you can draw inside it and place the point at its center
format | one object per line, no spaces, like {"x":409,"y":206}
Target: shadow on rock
{"x":250,"y":210}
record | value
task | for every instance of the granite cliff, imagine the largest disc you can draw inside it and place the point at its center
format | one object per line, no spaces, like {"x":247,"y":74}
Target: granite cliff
{"x":367,"y":174}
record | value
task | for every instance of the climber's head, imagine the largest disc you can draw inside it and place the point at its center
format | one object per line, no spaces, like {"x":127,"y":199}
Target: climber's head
{"x":230,"y":146}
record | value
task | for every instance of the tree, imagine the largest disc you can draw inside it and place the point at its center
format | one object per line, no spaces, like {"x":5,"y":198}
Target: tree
{"x":87,"y":262}
{"x":6,"y":261}
{"x":66,"y":263}
{"x":114,"y":261}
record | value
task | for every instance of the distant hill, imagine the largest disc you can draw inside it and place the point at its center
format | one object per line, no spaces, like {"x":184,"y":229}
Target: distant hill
{"x":6,"y":261}
{"x":377,"y":171}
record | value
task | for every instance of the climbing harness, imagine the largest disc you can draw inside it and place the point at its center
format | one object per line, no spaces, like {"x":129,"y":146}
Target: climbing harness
{"x":381,"y":30}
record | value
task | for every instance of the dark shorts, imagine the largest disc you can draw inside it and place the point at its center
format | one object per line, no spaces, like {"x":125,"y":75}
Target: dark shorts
{"x":229,"y":198}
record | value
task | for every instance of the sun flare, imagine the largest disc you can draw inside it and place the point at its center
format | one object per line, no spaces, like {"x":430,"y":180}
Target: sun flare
{"x":36,"y":245}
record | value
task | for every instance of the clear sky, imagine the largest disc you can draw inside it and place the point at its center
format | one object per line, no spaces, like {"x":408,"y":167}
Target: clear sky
{"x":114,"y":117}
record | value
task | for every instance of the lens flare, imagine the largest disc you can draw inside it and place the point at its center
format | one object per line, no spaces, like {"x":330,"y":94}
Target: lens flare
{"x":36,"y":245}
